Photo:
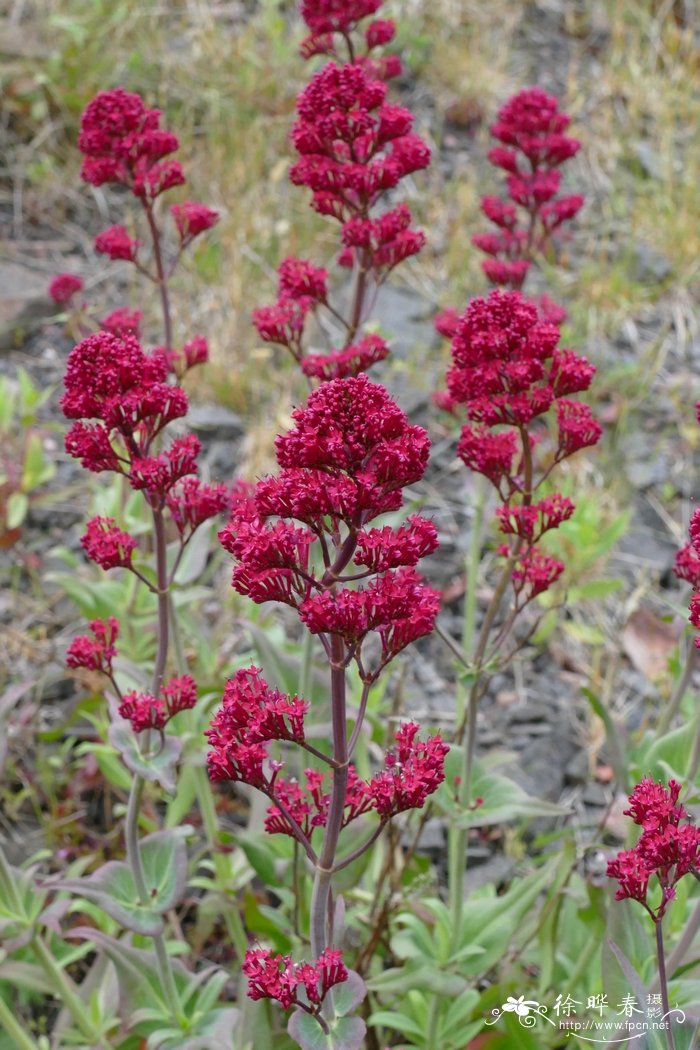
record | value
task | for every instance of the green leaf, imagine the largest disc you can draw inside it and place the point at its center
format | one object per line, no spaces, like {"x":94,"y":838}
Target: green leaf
{"x":258,"y":856}
{"x":36,"y":470}
{"x":349,"y":994}
{"x":16,"y":509}
{"x":401,"y":979}
{"x":398,"y":1022}
{"x":503,"y":800}
{"x":347,"y":1033}
{"x":112,"y":887}
{"x":159,"y":768}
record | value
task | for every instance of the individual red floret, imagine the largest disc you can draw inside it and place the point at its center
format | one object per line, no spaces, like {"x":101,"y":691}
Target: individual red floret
{"x":414,"y":770}
{"x":108,"y":545}
{"x":192,"y":218}
{"x":95,"y":653}
{"x":63,"y":287}
{"x":117,"y":244}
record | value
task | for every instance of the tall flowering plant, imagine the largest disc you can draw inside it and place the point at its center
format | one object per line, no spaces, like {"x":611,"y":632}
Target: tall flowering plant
{"x":121,"y":400}
{"x":354,"y":148}
{"x":306,"y":538}
{"x":531,"y":130}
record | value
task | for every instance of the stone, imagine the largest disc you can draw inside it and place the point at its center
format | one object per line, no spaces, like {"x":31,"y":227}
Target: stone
{"x":215,"y":422}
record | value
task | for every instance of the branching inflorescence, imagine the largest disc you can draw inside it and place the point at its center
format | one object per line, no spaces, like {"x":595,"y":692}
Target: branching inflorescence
{"x":531,"y":130}
{"x":354,"y":148}
{"x":667,"y":848}
{"x":510,"y":375}
{"x":305,"y":538}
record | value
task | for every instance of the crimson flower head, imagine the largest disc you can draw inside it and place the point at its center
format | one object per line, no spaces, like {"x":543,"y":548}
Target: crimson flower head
{"x":191,"y":502}
{"x":149,"y":712}
{"x":344,"y":463}
{"x":192,"y":218}
{"x":339,"y":364}
{"x":353,"y":144}
{"x":111,"y":381}
{"x":686,"y":565}
{"x":413,"y":770}
{"x":63,"y":287}
{"x":122,"y":322}
{"x":667,"y":849}
{"x":273,"y":976}
{"x":117,"y":244}
{"x":122,"y":142}
{"x":95,"y":651}
{"x":108,"y":545}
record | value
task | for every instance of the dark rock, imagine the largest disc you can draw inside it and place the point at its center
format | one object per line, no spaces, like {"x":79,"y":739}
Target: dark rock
{"x":577,"y":770}
{"x":594,"y":794}
{"x":215,"y":422}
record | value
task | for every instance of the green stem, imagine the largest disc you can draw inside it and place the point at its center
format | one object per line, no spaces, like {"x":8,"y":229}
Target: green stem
{"x":458,"y":838}
{"x":676,"y":698}
{"x":16,"y":1031}
{"x":66,"y":991}
{"x":663,"y":984}
{"x":207,"y":807}
{"x":135,"y":860}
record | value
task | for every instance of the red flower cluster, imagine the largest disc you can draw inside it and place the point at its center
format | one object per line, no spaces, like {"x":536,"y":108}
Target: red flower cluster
{"x":354,"y":147}
{"x":531,"y":128}
{"x":339,"y":364}
{"x":329,"y":20}
{"x":122,"y":142}
{"x":117,"y":244}
{"x":122,"y":322}
{"x":276,"y":977}
{"x":414,"y":770}
{"x":667,"y":848}
{"x":308,"y":805}
{"x":149,"y":712}
{"x":108,"y":545}
{"x":686,"y":565}
{"x":63,"y":287}
{"x":345,"y":462}
{"x":191,"y":219}
{"x":97,"y":652}
{"x":251,"y":714}
{"x":508,"y":371}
